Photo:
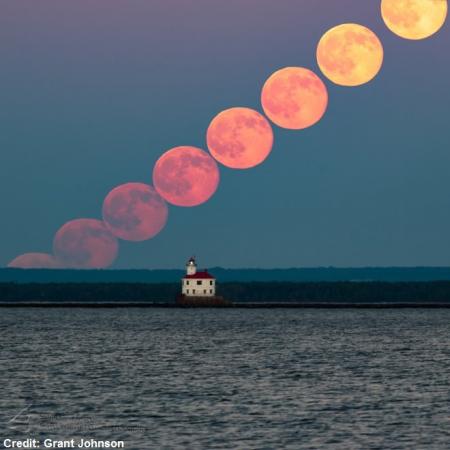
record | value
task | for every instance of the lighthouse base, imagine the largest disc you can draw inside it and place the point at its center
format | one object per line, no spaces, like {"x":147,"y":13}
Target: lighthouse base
{"x":205,"y":302}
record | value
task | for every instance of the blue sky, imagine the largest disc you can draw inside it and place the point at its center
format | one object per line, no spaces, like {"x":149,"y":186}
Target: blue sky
{"x":94,"y":92}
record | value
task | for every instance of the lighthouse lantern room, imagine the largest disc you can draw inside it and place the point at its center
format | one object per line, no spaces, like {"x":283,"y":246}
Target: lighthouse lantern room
{"x":197,"y":284}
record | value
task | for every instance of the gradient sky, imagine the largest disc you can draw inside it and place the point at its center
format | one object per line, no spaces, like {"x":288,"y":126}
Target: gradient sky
{"x":92,"y":92}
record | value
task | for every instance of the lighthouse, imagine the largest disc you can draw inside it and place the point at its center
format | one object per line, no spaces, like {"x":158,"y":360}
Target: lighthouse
{"x":198,"y":289}
{"x":197,"y":284}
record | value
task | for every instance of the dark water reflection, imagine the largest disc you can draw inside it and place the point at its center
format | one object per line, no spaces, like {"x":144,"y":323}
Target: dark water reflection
{"x":286,"y":378}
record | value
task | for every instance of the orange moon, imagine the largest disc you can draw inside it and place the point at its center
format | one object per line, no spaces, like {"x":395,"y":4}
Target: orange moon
{"x":294,"y":98}
{"x":34,"y":261}
{"x":350,"y":54}
{"x":240,"y":138}
{"x":186,"y":176}
{"x":414,"y":19}
{"x":85,"y":244}
{"x":134,"y":212}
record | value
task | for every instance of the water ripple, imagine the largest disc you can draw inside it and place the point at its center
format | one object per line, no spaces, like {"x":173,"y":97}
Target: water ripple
{"x":219,"y":379}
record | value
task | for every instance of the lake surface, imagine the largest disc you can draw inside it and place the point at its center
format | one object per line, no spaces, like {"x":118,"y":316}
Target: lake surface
{"x":217,"y":379}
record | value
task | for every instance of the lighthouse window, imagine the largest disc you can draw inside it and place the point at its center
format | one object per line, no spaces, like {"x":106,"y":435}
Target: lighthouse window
{"x":187,"y":282}
{"x":187,"y":291}
{"x":211,"y":283}
{"x":204,"y":291}
{"x":199,"y":282}
{"x":193,"y":291}
{"x":210,"y":291}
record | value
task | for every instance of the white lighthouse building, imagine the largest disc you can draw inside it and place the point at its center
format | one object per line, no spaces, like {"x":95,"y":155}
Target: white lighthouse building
{"x":197,"y":284}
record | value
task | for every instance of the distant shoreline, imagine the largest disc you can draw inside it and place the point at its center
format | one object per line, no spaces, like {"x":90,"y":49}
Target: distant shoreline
{"x":435,"y":294}
{"x":295,"y":275}
{"x":236,"y":305}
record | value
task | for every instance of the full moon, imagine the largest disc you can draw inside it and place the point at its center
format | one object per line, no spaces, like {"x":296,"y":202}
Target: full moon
{"x":414,"y":19}
{"x":34,"y":261}
{"x":350,"y":54}
{"x":134,"y":212}
{"x":294,"y":98}
{"x":85,"y":244}
{"x":240,"y":138}
{"x":186,"y":176}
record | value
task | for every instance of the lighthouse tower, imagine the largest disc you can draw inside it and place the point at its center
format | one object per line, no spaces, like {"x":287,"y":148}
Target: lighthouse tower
{"x":191,"y":267}
{"x":197,"y":284}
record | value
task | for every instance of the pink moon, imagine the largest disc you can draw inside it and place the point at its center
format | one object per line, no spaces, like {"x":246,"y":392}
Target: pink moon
{"x":34,"y":261}
{"x":186,"y":176}
{"x":134,"y":212}
{"x":294,"y":98}
{"x":240,"y":138}
{"x":85,"y":244}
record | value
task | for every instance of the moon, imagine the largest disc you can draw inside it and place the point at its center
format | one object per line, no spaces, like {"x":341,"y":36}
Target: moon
{"x":350,"y":54}
{"x":85,"y":244}
{"x":34,"y":261}
{"x":134,"y":212}
{"x":414,"y":19}
{"x":294,"y":98}
{"x":186,"y":176}
{"x":240,"y":138}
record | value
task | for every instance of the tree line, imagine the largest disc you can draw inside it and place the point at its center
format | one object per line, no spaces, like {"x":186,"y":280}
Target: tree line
{"x":345,"y":292}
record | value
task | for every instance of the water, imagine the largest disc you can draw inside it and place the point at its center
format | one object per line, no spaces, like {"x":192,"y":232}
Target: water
{"x":217,"y":379}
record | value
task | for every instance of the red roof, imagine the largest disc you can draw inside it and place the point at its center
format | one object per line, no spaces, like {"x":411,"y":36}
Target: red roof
{"x":201,"y":275}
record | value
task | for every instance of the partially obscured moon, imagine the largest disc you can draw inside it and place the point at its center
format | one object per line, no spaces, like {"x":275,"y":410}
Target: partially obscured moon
{"x":134,"y":212}
{"x":414,"y":19}
{"x":350,"y":54}
{"x":34,"y":261}
{"x":186,"y":176}
{"x":85,"y":244}
{"x":294,"y":98}
{"x":240,"y":138}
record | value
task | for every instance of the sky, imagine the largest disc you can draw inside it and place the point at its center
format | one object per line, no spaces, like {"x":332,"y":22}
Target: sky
{"x":93,"y":92}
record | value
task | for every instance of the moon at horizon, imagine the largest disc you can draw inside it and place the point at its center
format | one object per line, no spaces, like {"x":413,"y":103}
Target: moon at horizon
{"x":85,"y":244}
{"x":350,"y":54}
{"x":186,"y":176}
{"x":134,"y":212}
{"x":34,"y":261}
{"x":414,"y":19}
{"x":294,"y":98}
{"x":239,"y":138}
